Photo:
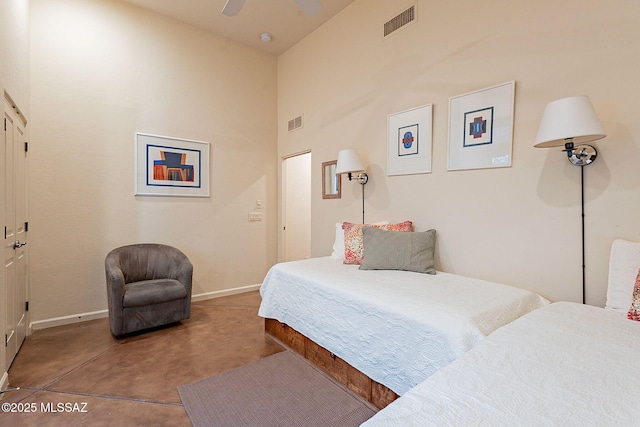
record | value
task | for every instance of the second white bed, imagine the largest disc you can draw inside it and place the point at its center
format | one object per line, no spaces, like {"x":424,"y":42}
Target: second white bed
{"x":565,"y":364}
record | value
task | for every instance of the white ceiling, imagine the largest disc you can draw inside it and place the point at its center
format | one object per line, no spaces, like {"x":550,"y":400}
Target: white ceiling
{"x":286,"y":23}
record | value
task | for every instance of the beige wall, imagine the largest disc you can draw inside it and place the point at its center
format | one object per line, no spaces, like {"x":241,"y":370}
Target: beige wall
{"x":517,"y":225}
{"x":14,"y":51}
{"x":103,"y":70}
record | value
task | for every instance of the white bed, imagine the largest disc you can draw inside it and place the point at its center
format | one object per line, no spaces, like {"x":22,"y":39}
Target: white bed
{"x":565,"y":364}
{"x":397,"y":327}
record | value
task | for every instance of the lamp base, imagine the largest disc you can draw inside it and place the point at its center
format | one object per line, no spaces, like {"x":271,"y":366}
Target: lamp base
{"x":581,"y":155}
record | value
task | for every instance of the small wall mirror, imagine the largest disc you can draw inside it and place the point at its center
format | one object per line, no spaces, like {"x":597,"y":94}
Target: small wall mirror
{"x":331,"y":183}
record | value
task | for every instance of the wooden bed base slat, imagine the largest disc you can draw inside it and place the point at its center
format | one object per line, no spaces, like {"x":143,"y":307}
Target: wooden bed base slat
{"x":370,"y":390}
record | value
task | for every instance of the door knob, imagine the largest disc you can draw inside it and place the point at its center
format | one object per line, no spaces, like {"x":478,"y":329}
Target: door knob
{"x":18,"y":244}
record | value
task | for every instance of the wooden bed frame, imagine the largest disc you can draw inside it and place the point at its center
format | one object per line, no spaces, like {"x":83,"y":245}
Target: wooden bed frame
{"x":359,"y":383}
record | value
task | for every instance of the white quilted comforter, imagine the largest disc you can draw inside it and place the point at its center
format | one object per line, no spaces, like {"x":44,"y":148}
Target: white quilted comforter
{"x":397,"y":327}
{"x":563,"y":365}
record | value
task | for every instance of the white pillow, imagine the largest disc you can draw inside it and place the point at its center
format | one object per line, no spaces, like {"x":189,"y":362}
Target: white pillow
{"x":338,"y":244}
{"x":623,"y":269}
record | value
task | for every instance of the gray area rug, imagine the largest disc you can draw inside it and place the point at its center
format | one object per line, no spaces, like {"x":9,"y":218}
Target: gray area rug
{"x":280,"y":390}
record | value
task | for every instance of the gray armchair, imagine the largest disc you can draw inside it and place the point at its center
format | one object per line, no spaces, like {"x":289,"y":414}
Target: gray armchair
{"x":148,"y":285}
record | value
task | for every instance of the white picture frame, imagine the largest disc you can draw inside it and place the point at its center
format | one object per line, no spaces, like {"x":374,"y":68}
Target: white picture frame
{"x":409,"y":141}
{"x":481,"y":128}
{"x":168,"y":166}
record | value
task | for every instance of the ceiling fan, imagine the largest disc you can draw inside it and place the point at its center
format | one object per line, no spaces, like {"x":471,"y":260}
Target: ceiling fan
{"x":309,"y":7}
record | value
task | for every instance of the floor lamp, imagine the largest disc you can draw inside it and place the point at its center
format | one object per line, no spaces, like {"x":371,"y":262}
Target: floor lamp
{"x":349,"y":163}
{"x":570,"y":122}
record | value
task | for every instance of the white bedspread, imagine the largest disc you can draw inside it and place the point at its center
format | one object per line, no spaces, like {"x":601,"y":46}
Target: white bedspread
{"x":397,"y":327}
{"x":563,"y":365}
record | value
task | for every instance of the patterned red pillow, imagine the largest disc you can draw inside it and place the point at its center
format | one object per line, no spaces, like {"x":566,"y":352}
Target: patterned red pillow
{"x":634,"y":310}
{"x":353,"y":243}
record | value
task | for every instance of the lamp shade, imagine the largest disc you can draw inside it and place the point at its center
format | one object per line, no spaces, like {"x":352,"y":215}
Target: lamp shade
{"x":568,"y":118}
{"x":348,"y":161}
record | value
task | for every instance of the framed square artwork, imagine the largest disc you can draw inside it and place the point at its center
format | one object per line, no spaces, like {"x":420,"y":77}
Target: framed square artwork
{"x":481,"y":128}
{"x":409,"y":141}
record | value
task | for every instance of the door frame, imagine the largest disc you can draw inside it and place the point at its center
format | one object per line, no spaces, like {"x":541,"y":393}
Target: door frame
{"x":283,"y":200}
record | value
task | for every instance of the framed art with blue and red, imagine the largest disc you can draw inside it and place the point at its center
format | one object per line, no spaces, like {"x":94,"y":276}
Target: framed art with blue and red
{"x":168,"y":166}
{"x":409,"y":142}
{"x":481,"y":128}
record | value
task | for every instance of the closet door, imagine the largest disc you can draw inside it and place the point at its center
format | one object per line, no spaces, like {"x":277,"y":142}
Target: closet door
{"x":15,"y":229}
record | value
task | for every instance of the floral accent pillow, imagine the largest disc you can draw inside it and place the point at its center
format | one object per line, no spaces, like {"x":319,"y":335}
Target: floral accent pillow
{"x":353,"y":243}
{"x":634,"y":310}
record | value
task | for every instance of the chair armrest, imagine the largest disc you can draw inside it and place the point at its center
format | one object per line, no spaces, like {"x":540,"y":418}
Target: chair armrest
{"x":115,"y":281}
{"x":185,"y":275}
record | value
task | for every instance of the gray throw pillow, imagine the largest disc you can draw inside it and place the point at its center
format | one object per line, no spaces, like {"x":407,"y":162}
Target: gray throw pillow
{"x":398,"y":250}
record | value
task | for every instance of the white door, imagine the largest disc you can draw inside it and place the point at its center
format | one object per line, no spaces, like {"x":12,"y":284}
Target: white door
{"x":296,"y":178}
{"x":15,"y":230}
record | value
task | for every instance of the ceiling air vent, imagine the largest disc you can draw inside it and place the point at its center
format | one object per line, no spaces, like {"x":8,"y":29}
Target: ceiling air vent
{"x":399,"y":21}
{"x":294,"y":124}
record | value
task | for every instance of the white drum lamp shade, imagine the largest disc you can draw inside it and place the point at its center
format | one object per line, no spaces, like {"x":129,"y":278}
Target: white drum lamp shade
{"x":348,"y":162}
{"x":568,"y":118}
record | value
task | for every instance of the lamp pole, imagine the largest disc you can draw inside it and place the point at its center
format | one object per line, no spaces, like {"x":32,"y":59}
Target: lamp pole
{"x":583,"y":243}
{"x":363,"y":203}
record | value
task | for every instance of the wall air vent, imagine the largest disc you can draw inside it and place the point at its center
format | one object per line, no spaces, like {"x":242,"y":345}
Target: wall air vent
{"x":399,"y":21}
{"x":294,"y":124}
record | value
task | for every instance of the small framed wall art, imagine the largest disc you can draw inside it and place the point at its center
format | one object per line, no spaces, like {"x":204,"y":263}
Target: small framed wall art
{"x":166,"y":166}
{"x":331,"y":182}
{"x":409,"y":136}
{"x":481,"y":128}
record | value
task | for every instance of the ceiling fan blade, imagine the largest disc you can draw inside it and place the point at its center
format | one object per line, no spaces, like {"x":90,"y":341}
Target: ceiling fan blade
{"x":309,"y":7}
{"x":232,"y":8}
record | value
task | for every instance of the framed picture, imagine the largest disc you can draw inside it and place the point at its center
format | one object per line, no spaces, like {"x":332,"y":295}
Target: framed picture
{"x":481,"y":128}
{"x":331,"y":182}
{"x":409,"y":141}
{"x":166,"y":166}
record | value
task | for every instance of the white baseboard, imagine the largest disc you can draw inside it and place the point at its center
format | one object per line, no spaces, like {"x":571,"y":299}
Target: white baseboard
{"x":65,"y":320}
{"x":83,"y":317}
{"x":226,"y":292}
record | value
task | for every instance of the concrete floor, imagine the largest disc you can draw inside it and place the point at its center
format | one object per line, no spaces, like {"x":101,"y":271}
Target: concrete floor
{"x":104,"y":381}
